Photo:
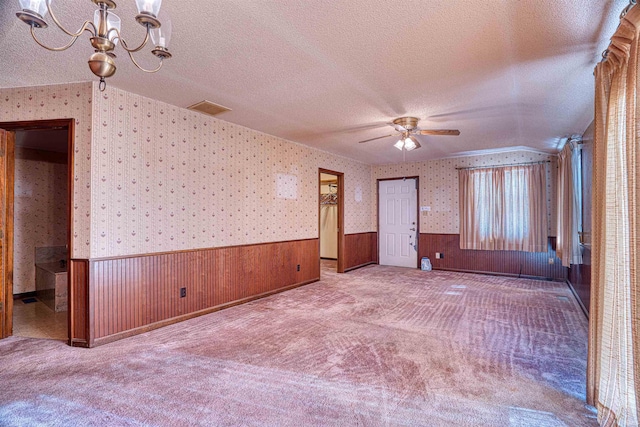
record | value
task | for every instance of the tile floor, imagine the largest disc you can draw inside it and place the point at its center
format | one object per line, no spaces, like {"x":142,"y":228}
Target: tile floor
{"x":36,"y":320}
{"x":328,"y":265}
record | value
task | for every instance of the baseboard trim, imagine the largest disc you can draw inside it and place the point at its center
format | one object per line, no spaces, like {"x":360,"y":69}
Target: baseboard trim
{"x":25,"y":295}
{"x":496,"y":273}
{"x":75,"y":342}
{"x":575,"y":295}
{"x":146,"y":328}
{"x":355,"y":267}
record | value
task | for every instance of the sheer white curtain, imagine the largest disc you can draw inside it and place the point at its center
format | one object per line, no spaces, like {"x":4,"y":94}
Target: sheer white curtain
{"x":569,"y":204}
{"x":504,"y":208}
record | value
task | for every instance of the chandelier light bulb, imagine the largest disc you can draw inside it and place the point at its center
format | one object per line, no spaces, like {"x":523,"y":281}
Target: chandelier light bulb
{"x":399,"y":145}
{"x":150,"y":7}
{"x":161,"y":36}
{"x":37,"y":6}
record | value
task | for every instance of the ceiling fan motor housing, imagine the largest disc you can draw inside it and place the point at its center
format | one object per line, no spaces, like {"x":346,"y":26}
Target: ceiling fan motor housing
{"x":406,"y":122}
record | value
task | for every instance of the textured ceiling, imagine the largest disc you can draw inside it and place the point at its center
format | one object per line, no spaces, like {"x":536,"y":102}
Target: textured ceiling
{"x":328,"y":74}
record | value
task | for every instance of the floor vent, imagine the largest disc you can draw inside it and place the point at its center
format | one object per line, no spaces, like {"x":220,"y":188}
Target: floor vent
{"x":208,"y":108}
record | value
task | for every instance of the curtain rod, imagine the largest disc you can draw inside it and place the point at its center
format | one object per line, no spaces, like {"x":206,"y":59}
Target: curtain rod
{"x":504,"y":166}
{"x":624,"y":12}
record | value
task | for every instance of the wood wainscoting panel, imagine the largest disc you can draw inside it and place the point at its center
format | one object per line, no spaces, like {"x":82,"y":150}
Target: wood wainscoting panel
{"x":138,"y":293}
{"x":580,"y":279}
{"x":360,"y":249}
{"x":79,"y":302}
{"x":531,"y":264}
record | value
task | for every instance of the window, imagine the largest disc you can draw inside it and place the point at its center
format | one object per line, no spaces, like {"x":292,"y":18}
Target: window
{"x":504,"y":208}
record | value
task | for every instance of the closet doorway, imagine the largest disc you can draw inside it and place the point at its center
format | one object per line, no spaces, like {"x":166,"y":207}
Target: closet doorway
{"x":331,"y":220}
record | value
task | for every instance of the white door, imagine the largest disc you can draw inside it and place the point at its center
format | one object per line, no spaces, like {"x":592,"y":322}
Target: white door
{"x":398,"y":212}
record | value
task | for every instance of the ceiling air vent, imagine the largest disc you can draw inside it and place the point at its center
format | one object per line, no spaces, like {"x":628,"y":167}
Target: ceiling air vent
{"x":209,"y":108}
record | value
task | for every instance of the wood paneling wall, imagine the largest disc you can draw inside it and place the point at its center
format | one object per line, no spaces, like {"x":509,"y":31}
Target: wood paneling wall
{"x":360,"y":249}
{"x":131,"y":295}
{"x":580,"y":279}
{"x":501,"y":262}
{"x":78,"y":302}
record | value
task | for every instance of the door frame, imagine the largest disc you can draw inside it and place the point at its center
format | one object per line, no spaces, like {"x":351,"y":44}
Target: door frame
{"x":340,"y":176}
{"x":6,"y":255}
{"x":7,"y":286}
{"x":417,"y":178}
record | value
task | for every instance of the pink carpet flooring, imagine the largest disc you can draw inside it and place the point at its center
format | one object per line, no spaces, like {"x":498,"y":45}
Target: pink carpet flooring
{"x":379,"y":346}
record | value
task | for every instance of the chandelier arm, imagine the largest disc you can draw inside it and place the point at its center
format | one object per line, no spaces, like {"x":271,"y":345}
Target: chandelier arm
{"x":55,"y":49}
{"x":124,"y":43}
{"x":139,"y":67}
{"x":84,"y":27}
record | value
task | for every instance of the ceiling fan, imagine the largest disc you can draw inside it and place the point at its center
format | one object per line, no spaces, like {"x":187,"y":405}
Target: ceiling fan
{"x":407,"y":127}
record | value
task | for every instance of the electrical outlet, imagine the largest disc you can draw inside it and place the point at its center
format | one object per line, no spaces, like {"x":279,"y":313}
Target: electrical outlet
{"x":183,"y":292}
{"x":437,"y":255}
{"x":298,"y":268}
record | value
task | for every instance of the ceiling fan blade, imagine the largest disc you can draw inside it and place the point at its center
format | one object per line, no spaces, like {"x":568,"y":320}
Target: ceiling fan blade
{"x":439,"y":132}
{"x":379,"y":137}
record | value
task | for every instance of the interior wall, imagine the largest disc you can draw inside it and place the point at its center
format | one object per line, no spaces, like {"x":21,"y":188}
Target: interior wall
{"x":169,"y":179}
{"x":439,"y":186}
{"x":73,"y":100}
{"x":40,"y":210}
{"x":439,"y":227}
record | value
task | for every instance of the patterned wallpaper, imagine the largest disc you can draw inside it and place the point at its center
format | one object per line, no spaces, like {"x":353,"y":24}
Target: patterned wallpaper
{"x":439,"y":186}
{"x":152,"y":177}
{"x":61,"y":102}
{"x":40,"y":215}
{"x":166,"y":179}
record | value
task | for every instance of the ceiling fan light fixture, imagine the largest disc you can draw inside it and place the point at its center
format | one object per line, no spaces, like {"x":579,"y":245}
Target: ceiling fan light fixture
{"x":399,"y":145}
{"x":409,"y":144}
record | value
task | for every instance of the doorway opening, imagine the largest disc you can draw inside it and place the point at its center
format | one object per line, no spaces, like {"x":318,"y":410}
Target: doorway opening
{"x":37,"y":242}
{"x":331,"y":210}
{"x":398,"y":225}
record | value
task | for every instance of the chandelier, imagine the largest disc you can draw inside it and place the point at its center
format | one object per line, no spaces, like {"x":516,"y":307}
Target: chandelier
{"x":105,"y":33}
